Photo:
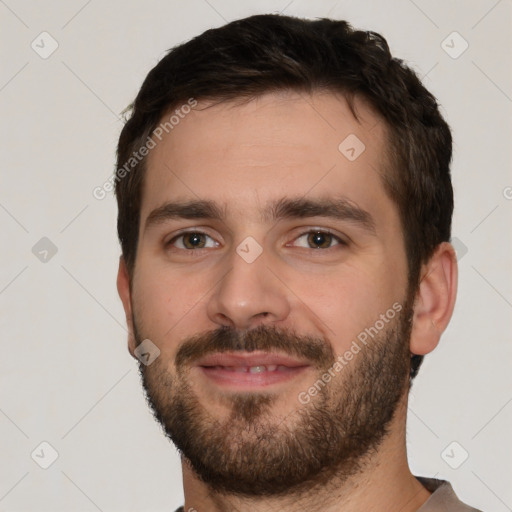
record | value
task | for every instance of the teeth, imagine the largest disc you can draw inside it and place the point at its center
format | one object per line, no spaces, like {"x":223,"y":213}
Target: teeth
{"x":250,"y":369}
{"x":257,"y":369}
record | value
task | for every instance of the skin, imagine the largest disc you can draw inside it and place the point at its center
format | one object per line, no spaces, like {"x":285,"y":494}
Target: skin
{"x":243,"y":157}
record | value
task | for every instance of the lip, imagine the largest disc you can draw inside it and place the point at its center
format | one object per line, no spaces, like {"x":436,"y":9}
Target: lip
{"x":250,"y":370}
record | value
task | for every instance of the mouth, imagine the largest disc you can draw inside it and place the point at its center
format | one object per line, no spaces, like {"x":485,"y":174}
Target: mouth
{"x":250,"y":370}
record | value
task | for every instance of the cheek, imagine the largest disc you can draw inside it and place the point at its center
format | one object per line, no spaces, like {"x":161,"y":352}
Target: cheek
{"x":347,"y":301}
{"x":166,"y":305}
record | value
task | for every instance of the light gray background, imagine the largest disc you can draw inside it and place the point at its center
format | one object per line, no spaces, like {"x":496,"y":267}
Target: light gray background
{"x":66,"y":375}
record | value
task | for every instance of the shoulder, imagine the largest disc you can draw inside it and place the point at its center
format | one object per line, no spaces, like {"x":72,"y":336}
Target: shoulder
{"x":443,"y":497}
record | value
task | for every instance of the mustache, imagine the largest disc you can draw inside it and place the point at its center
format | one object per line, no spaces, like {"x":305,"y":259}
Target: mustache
{"x":316,"y":350}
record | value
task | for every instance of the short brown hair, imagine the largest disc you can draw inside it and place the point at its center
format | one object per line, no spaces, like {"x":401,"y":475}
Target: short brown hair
{"x":266,"y":53}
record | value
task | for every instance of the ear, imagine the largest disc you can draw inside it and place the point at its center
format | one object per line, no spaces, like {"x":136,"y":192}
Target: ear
{"x":123,"y":288}
{"x":435,"y":299}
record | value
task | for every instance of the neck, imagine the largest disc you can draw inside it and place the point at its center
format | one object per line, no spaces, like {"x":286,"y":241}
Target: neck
{"x":384,"y":483}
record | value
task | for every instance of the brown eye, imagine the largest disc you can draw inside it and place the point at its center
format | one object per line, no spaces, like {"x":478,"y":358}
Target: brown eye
{"x":193,"y":240}
{"x":320,"y":240}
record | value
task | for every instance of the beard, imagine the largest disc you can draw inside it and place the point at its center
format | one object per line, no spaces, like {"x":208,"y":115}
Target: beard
{"x":254,"y":451}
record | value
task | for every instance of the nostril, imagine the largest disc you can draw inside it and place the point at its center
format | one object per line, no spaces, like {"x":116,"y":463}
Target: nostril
{"x":225,"y":320}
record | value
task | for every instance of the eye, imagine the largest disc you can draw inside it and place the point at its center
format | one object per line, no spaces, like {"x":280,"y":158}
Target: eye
{"x":193,"y":240}
{"x":318,"y":240}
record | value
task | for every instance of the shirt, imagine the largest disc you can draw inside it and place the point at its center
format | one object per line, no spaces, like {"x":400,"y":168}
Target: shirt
{"x":442,"y":499}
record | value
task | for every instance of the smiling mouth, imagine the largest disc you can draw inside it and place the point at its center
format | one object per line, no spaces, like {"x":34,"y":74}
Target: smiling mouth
{"x":250,"y":370}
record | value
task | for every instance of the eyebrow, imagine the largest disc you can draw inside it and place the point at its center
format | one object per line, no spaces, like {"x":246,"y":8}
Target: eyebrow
{"x":199,"y":209}
{"x":286,"y":208}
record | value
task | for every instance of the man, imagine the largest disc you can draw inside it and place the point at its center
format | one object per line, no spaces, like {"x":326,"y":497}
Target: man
{"x":285,"y":211}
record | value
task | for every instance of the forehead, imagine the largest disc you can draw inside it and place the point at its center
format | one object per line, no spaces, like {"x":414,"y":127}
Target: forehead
{"x":245,"y":154}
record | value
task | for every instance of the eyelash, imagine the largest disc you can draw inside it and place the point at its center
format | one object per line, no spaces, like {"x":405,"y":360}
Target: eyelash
{"x":339,"y":241}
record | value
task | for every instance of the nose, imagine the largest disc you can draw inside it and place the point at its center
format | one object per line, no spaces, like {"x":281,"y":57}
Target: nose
{"x":248,"y":295}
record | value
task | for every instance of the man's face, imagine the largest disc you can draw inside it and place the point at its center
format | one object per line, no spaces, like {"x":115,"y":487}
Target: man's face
{"x":266,"y":249}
